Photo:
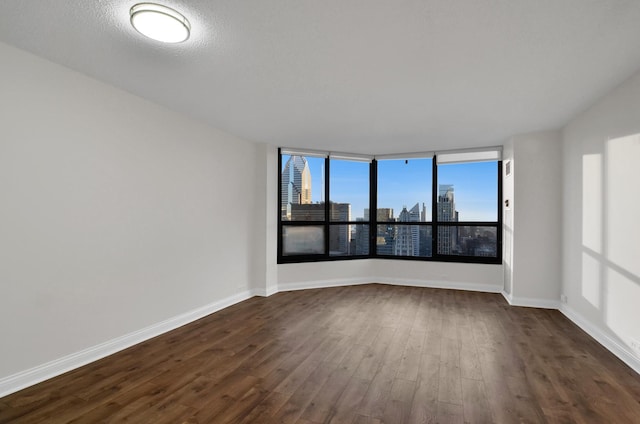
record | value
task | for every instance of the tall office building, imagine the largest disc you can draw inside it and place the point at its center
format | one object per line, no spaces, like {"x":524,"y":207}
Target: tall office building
{"x":447,"y":236}
{"x":424,"y":235}
{"x":340,"y":235}
{"x":359,"y":244}
{"x":407,"y":237}
{"x":384,"y":231}
{"x":295,"y":184}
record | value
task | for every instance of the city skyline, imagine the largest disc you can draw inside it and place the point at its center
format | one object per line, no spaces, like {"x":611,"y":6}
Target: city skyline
{"x":395,"y":235}
{"x":399,"y":186}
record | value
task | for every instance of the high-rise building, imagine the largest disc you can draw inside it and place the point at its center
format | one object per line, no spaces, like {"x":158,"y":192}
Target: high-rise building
{"x":385,"y":230}
{"x":295,"y":184}
{"x":424,"y":235}
{"x":360,"y":238}
{"x":382,"y":214}
{"x":446,"y":207}
{"x":306,"y":211}
{"x":407,"y":237}
{"x":340,"y":235}
{"x":360,"y":241}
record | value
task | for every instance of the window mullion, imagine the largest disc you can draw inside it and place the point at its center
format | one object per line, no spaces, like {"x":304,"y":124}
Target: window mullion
{"x":327,"y":207}
{"x":280,"y":247}
{"x":373,"y":208}
{"x":434,"y":209}
{"x":499,"y":217}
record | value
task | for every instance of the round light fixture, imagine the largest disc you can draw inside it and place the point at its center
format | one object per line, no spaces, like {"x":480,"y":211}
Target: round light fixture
{"x":160,"y":23}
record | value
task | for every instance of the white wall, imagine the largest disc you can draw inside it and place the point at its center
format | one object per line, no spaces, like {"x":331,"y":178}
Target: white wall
{"x":508,"y":191}
{"x":477,"y":277}
{"x":266,"y":247}
{"x":601,"y":225}
{"x":324,"y":274}
{"x":532,"y":225}
{"x":116,"y":214}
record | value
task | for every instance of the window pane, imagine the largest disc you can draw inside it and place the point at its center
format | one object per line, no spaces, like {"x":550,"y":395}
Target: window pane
{"x":349,"y":186}
{"x":468,"y":192}
{"x":349,"y":240}
{"x":302,"y":185}
{"x":302,"y":240}
{"x":468,"y":241}
{"x":404,"y":240}
{"x":404,"y":185}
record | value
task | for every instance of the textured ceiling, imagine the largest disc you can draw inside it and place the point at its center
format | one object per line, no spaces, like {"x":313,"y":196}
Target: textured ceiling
{"x":366,"y":76}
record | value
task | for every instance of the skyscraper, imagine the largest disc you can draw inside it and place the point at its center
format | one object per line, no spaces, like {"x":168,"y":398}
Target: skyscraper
{"x":447,"y":236}
{"x":340,"y":235}
{"x":385,"y":231}
{"x":407,"y":237}
{"x":295,"y":184}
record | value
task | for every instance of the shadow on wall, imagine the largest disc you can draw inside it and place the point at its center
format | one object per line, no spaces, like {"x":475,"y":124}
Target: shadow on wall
{"x":611,"y":235}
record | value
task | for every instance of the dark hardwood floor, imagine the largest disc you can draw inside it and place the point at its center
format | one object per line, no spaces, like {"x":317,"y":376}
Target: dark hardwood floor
{"x":361,"y":354}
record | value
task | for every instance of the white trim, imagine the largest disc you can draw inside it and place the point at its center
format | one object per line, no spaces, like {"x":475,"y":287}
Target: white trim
{"x":507,"y":296}
{"x":415,"y":155}
{"x":531,"y":302}
{"x":265,"y":292}
{"x":452,"y":285}
{"x":23,"y":379}
{"x":319,"y":284}
{"x":612,"y":345}
{"x":350,"y":156}
{"x":304,"y":152}
{"x":482,"y":154}
{"x":447,"y":285}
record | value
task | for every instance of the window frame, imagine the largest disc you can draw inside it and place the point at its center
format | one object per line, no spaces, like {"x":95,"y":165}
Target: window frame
{"x":373,"y":223}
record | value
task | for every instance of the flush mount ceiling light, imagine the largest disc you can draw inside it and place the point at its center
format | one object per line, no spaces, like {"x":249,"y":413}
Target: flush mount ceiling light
{"x":160,"y":23}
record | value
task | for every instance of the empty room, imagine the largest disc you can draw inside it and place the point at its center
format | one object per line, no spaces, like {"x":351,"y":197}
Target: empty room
{"x":361,"y":212}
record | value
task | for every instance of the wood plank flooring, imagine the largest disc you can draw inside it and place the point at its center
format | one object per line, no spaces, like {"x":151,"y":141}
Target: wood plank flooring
{"x":362,"y":354}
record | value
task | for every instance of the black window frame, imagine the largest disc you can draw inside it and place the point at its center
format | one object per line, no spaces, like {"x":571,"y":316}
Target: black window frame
{"x":435,"y":224}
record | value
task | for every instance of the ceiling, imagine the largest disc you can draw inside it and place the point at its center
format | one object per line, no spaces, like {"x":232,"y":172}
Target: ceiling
{"x":362,"y":76}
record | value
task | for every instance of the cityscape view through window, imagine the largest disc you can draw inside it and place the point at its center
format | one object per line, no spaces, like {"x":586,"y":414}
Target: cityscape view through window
{"x":466,"y":208}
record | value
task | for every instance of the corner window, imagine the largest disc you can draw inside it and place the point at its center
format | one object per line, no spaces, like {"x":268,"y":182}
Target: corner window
{"x":439,"y":207}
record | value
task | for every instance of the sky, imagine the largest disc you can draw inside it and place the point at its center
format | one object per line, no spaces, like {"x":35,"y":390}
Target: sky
{"x":405,"y":184}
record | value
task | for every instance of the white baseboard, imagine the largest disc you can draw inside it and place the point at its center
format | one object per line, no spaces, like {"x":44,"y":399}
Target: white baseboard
{"x":531,"y":302}
{"x":449,"y":285}
{"x":23,"y":379}
{"x":265,"y":292}
{"x":319,"y":284}
{"x":622,"y":351}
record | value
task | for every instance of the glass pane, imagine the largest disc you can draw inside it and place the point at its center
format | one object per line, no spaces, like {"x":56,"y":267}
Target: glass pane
{"x":349,"y":186}
{"x":349,"y":240}
{"x":404,"y":240}
{"x":404,"y":185}
{"x":302,"y":185}
{"x":302,"y":240}
{"x":468,"y":241}
{"x":468,"y":192}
